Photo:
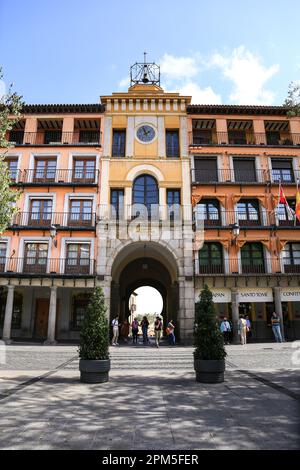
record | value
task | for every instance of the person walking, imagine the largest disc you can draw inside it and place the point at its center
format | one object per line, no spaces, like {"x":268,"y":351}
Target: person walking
{"x":243,"y":330}
{"x":135,"y":330}
{"x":115,"y":327}
{"x":275,"y":321}
{"x":170,"y":332}
{"x":145,"y":326}
{"x":157,"y":330}
{"x":225,"y":330}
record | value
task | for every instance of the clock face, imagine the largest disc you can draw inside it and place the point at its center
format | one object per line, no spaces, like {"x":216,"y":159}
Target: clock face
{"x":146,"y":133}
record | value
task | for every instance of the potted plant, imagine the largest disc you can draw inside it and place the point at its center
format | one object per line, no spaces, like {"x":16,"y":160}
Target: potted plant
{"x":209,"y":355}
{"x":94,"y":364}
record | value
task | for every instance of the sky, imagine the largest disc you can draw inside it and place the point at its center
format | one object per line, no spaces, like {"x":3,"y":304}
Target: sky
{"x":73,"y":51}
{"x":148,"y":301}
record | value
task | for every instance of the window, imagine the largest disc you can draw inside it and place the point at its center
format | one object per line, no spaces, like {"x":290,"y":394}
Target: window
{"x":247,"y":212}
{"x":117,"y":203}
{"x":252,"y":256}
{"x":282,"y":170}
{"x":16,"y":137}
{"x":35,"y":261}
{"x":80,"y":304}
{"x":291,"y":258}
{"x":237,"y":137}
{"x":84,"y":170}
{"x":78,"y":258}
{"x":45,"y":170}
{"x":172,"y":142}
{"x":209,"y":212}
{"x":40,"y":212}
{"x":273,"y":138}
{"x":202,"y":137}
{"x":2,"y":256}
{"x":119,"y":143}
{"x":52,"y":137}
{"x":17,"y":309}
{"x":206,"y":170}
{"x":145,"y":193}
{"x":12,"y":164}
{"x":80,"y":212}
{"x":89,"y":137}
{"x":173,"y":202}
{"x":285,"y":217}
{"x":244,"y":170}
{"x":211,"y":259}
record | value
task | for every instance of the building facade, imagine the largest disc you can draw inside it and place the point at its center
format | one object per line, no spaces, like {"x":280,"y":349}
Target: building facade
{"x":147,"y":189}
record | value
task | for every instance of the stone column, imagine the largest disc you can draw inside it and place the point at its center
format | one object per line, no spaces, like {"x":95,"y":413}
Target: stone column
{"x":8,"y":314}
{"x":278,"y":307}
{"x":235,"y":315}
{"x":52,"y":316}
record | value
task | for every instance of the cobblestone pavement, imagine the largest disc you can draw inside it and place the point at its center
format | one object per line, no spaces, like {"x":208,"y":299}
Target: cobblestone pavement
{"x":151,"y":402}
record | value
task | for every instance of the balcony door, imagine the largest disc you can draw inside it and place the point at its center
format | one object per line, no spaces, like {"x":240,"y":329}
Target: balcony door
{"x":35,"y":259}
{"x":244,"y":170}
{"x":146,"y":196}
{"x":211,"y":259}
{"x":45,"y":170}
{"x":252,"y":255}
{"x":84,"y":170}
{"x":40,"y":212}
{"x":117,"y":203}
{"x":291,"y":258}
{"x":247,"y":213}
{"x":119,"y":143}
{"x":81,"y":212}
{"x":282,"y":170}
{"x":78,"y":258}
{"x":208,"y":211}
{"x":3,"y":248}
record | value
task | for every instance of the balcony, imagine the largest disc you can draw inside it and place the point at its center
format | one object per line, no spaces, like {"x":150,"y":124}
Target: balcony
{"x":249,"y":267}
{"x":253,"y":139}
{"x":140,"y":212}
{"x":54,"y":177}
{"x":61,"y":220}
{"x":211,"y":176}
{"x":44,"y":267}
{"x":245,"y":220}
{"x":55,"y":138}
{"x":292,"y":266}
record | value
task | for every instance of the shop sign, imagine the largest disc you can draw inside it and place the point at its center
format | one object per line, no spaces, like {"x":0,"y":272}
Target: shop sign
{"x":220,"y":296}
{"x":255,"y":295}
{"x":290,"y":294}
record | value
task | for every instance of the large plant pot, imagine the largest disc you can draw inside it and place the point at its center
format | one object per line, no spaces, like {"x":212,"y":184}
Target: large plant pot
{"x":209,"y":372}
{"x":94,"y":372}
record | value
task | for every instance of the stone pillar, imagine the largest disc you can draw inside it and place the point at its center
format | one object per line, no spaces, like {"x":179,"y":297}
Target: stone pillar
{"x":52,"y":316}
{"x":8,"y":314}
{"x":235,"y":315}
{"x":278,"y":307}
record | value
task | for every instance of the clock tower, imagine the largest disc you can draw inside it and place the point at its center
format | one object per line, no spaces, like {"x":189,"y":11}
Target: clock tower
{"x":146,"y":170}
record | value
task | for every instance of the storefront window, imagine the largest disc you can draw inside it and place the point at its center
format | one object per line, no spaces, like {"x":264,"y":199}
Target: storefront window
{"x":80,"y":303}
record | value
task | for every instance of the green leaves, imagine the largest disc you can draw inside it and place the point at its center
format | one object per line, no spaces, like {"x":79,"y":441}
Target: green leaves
{"x":94,"y":333}
{"x":10,"y":113}
{"x":293,"y":100}
{"x":208,"y":339}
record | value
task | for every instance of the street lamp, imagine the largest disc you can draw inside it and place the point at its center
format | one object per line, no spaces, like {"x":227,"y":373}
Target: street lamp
{"x":53,"y":233}
{"x":235,"y":231}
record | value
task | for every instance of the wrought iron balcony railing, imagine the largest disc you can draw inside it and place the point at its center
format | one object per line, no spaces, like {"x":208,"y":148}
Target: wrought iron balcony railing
{"x":236,"y":176}
{"x":55,"y":138}
{"x":250,"y":266}
{"x":244,"y":219}
{"x":247,"y":139}
{"x":61,"y":220}
{"x":57,"y":177}
{"x":48,"y":267}
{"x":140,"y":212}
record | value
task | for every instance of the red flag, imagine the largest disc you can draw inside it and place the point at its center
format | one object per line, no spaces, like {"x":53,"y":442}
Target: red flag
{"x":282,"y":198}
{"x":298,"y":205}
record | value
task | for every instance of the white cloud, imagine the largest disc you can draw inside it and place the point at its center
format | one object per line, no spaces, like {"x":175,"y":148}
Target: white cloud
{"x":2,"y":89}
{"x":248,"y":75}
{"x":178,"y":68}
{"x":200,"y":95}
{"x":124,"y":83}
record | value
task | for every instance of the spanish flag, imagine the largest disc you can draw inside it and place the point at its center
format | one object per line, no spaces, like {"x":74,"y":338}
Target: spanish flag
{"x":297,"y":212}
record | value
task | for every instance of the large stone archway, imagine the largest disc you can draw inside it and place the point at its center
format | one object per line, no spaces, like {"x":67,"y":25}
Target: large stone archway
{"x":145,"y":264}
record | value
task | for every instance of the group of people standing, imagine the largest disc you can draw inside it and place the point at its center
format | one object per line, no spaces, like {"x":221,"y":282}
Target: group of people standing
{"x":244,"y":329}
{"x":123,"y":328}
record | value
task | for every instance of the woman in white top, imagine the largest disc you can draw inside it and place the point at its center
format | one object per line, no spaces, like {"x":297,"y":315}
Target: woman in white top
{"x":115,"y":327}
